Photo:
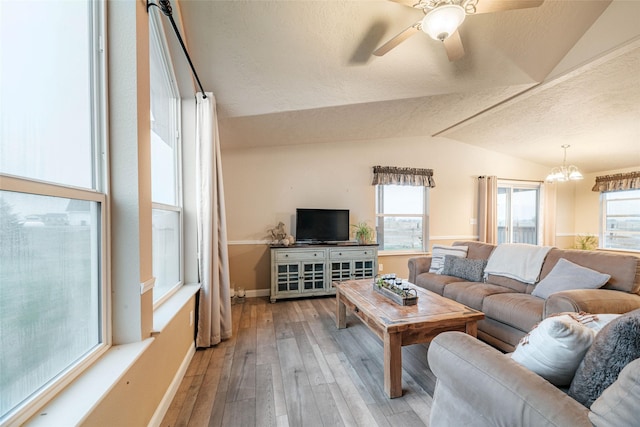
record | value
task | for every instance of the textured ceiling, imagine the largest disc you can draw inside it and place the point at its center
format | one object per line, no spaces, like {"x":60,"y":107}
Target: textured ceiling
{"x":292,"y":72}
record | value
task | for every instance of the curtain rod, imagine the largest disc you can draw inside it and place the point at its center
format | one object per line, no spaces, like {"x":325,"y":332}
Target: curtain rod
{"x":165,"y":7}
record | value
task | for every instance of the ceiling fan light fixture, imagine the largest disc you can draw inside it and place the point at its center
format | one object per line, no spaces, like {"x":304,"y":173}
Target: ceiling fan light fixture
{"x":443,"y":21}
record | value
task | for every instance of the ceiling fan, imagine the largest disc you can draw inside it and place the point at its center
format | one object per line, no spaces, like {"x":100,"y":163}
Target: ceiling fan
{"x":443,"y":17}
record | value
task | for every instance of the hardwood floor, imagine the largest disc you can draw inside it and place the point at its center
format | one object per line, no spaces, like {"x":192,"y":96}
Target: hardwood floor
{"x":288,"y":365}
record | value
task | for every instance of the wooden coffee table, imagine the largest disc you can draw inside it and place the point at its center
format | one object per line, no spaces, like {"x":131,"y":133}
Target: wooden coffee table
{"x":398,"y":325}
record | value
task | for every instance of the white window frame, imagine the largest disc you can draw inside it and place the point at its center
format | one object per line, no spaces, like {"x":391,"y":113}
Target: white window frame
{"x":532,"y":185}
{"x":98,"y":194}
{"x":380,"y":216}
{"x":609,"y":196}
{"x":156,"y":32}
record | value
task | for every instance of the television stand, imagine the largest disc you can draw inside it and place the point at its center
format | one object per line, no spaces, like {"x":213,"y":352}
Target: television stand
{"x":310,"y":270}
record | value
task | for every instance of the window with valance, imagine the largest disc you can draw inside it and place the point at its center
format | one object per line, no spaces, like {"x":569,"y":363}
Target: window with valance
{"x":617,"y":182}
{"x":619,"y":210}
{"x":402,"y":207}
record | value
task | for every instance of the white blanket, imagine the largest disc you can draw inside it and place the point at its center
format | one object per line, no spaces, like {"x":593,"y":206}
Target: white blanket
{"x":518,"y":261}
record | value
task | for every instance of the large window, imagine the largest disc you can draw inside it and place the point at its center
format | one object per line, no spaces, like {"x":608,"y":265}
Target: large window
{"x":402,"y":217}
{"x":165,"y":166}
{"x":620,"y":227}
{"x":518,"y":212}
{"x":53,"y":312}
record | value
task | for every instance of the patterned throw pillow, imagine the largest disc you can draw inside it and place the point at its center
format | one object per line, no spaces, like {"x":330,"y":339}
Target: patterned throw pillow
{"x":438,"y":253}
{"x":465,"y":268}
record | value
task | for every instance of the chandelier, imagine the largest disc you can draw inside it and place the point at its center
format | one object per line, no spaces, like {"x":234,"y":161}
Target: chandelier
{"x":564,"y":172}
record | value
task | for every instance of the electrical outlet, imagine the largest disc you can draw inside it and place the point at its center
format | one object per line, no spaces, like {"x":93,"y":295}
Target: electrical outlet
{"x":380,"y":268}
{"x":191,"y":318}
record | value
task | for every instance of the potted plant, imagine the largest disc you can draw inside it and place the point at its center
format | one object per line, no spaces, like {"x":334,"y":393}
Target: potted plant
{"x":586,"y":242}
{"x":363,"y":232}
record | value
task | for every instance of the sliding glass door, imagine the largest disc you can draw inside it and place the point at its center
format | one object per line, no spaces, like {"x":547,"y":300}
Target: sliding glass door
{"x":518,"y":212}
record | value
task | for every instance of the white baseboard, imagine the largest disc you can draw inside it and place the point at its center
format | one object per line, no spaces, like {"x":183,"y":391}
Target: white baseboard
{"x":163,"y":407}
{"x":253,"y":293}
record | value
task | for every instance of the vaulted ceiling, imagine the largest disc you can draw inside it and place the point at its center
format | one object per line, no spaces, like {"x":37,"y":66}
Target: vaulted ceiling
{"x":296,"y":72}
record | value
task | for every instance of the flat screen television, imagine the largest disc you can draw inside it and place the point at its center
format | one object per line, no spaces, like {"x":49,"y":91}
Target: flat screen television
{"x":322,"y":225}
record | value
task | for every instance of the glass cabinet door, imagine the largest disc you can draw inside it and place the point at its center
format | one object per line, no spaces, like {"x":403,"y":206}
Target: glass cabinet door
{"x":313,"y":276}
{"x":288,"y":277}
{"x":362,"y":269}
{"x":340,"y":271}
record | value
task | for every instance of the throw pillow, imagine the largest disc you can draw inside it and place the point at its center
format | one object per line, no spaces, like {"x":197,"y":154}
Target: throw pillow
{"x":554,"y":348}
{"x":566,"y":275}
{"x":618,"y":405}
{"x":617,"y":344}
{"x":465,"y":268}
{"x":438,"y":253}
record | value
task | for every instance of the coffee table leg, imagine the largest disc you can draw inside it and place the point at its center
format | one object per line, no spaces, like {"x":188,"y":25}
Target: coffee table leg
{"x":392,"y":365}
{"x":472,"y":329}
{"x":341,"y":312}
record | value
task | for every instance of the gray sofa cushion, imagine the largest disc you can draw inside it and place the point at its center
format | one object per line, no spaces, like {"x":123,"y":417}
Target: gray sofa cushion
{"x":434,"y":282}
{"x":624,"y":269}
{"x":522,"y":311}
{"x":615,"y":346}
{"x":477,"y":250}
{"x":472,"y":294}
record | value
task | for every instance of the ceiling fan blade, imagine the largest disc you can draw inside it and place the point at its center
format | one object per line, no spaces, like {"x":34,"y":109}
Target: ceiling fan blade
{"x":397,"y":40}
{"x":410,"y":3}
{"x":453,"y":46}
{"x":488,"y":6}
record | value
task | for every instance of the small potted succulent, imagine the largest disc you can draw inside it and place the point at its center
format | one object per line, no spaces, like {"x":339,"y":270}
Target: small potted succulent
{"x":363,"y":232}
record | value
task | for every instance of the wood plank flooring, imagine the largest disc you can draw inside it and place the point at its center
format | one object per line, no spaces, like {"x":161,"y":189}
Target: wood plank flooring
{"x":288,"y":365}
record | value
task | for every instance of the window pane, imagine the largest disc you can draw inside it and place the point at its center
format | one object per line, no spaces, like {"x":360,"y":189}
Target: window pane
{"x":403,"y":199}
{"x":49,"y":290}
{"x":402,"y":233}
{"x":622,"y":222}
{"x":524,"y":207}
{"x":45,"y":91}
{"x":166,"y":251}
{"x":163,"y":126}
{"x":502,"y":213}
{"x":517,"y":214}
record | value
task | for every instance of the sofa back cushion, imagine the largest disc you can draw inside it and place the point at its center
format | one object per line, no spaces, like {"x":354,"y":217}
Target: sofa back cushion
{"x":477,"y":250}
{"x":510,"y":283}
{"x":623,"y":269}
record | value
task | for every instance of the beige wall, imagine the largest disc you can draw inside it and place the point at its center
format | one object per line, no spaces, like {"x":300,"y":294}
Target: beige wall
{"x":266,"y":185}
{"x":135,"y":397}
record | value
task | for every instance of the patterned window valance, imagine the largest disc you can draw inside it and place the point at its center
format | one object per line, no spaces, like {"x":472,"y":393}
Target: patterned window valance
{"x":618,"y":182}
{"x":391,"y":175}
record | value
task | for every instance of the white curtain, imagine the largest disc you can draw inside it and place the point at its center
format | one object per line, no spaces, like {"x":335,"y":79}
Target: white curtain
{"x":214,"y":304}
{"x":487,"y":207}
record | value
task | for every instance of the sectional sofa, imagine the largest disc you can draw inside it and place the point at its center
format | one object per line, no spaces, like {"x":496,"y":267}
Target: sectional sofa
{"x":511,"y":310}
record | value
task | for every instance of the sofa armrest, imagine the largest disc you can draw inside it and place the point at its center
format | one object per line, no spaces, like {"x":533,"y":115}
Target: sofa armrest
{"x":418,"y":265}
{"x":478,"y":385}
{"x":591,"y":301}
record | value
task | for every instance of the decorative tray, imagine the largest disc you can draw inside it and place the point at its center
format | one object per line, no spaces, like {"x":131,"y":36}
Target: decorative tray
{"x":396,"y":290}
